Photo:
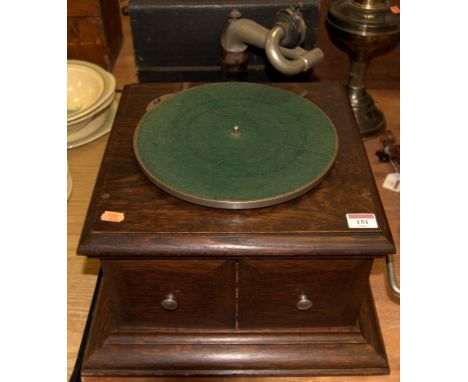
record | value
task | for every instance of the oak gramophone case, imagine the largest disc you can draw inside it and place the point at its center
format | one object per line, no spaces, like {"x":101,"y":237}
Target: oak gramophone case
{"x":273,"y":289}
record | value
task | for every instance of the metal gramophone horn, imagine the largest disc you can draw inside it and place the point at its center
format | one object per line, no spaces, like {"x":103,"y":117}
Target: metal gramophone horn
{"x":363,"y":28}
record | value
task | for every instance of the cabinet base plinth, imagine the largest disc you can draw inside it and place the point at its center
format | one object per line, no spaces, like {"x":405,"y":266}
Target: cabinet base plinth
{"x":119,"y":353}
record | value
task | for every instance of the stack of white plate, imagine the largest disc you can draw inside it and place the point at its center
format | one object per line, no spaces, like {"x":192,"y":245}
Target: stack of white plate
{"x":91,"y":104}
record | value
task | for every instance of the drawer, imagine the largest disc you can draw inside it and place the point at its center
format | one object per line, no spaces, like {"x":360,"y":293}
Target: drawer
{"x":300,"y":293}
{"x":172,"y":293}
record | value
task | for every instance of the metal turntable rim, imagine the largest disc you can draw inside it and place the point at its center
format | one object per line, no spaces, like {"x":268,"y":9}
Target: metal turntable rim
{"x":234,"y":203}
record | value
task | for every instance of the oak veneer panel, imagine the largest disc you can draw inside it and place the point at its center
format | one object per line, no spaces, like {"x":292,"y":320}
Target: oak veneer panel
{"x":269,"y":291}
{"x":101,"y":326}
{"x":204,"y":291}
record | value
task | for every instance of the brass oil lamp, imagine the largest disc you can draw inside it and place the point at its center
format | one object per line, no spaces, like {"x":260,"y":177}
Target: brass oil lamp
{"x":364,"y":29}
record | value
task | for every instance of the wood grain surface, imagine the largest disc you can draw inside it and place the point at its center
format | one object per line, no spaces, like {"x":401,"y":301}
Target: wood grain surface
{"x":82,"y":272}
{"x":269,"y":291}
{"x":204,"y":291}
{"x":94,"y":31}
{"x":158,"y":223}
{"x":118,"y":351}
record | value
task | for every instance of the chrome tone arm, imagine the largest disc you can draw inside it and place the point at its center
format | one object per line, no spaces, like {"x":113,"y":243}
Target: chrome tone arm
{"x":302,"y":59}
{"x":243,"y":32}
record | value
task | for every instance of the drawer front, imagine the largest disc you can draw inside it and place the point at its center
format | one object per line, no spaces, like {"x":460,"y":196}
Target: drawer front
{"x":300,"y":293}
{"x":172,"y":293}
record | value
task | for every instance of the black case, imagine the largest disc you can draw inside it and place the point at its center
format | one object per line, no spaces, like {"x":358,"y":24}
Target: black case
{"x":180,"y":40}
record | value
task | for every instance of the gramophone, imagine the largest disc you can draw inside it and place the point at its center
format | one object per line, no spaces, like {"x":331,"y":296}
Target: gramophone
{"x":236,"y":225}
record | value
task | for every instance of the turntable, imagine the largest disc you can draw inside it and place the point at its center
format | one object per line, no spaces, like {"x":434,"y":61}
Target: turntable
{"x":236,"y":145}
{"x":236,"y":225}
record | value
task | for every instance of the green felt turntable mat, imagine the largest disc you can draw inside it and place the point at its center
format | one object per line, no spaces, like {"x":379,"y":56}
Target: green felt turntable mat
{"x":283,"y":147}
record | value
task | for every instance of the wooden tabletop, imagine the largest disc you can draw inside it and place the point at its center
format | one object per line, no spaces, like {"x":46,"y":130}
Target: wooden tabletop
{"x":84,"y":164}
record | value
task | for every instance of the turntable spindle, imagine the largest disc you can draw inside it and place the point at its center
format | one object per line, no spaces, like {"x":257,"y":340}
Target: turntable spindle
{"x":235,"y":130}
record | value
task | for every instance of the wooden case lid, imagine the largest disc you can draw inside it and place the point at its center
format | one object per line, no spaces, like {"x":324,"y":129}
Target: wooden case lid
{"x":157,"y":224}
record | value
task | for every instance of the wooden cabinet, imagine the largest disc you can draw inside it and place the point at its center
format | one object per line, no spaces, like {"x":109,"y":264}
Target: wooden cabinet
{"x":196,"y":291}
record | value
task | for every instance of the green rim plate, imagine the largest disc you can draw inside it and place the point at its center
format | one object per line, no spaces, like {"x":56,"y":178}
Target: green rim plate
{"x":187,"y":147}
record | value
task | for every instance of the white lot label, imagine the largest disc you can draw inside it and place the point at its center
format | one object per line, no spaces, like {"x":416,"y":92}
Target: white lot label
{"x":392,"y":182}
{"x":363,"y":220}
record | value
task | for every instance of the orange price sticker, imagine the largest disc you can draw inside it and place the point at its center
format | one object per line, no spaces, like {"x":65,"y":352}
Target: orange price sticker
{"x":395,"y":9}
{"x":111,"y":216}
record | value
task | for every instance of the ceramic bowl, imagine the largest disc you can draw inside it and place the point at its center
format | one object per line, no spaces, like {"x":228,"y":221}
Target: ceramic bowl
{"x":85,"y":87}
{"x":96,"y":118}
{"x":103,"y":100}
{"x":76,"y":125}
{"x":98,"y":126}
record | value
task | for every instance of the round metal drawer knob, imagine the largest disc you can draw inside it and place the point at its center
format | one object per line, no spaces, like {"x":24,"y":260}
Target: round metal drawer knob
{"x":169,"y":303}
{"x":304,"y":303}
